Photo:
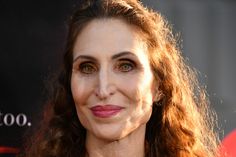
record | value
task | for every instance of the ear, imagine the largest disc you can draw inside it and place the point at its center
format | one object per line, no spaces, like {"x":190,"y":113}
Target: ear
{"x":158,"y":95}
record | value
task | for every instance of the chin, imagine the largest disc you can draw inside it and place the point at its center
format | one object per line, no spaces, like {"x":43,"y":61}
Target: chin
{"x":110,"y":136}
{"x":110,"y":133}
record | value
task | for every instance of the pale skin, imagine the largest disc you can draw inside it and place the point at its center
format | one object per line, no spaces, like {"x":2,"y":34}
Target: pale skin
{"x":111,"y":67}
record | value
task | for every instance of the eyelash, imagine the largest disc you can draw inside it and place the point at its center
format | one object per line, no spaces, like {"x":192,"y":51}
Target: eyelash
{"x":123,"y":65}
{"x":91,"y":68}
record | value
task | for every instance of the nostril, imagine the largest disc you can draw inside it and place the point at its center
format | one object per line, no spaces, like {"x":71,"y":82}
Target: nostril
{"x":111,"y":93}
{"x":113,"y":89}
{"x":103,"y":93}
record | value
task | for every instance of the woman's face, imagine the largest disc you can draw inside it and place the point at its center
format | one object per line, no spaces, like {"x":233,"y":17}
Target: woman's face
{"x":112,"y":82}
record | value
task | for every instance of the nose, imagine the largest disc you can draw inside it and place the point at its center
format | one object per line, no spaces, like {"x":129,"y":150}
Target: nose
{"x":105,"y":87}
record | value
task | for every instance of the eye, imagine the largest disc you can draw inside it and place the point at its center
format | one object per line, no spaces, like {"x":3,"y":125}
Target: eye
{"x":87,"y":68}
{"x":125,"y":65}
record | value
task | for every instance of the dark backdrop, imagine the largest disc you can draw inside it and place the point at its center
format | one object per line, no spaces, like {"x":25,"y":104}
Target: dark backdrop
{"x":32,"y":38}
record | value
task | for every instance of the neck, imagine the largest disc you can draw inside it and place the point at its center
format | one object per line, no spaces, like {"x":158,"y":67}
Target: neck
{"x":129,"y":146}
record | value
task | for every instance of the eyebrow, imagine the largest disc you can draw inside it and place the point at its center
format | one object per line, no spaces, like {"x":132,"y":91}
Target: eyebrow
{"x":84,"y":57}
{"x":113,"y":57}
{"x":122,"y":54}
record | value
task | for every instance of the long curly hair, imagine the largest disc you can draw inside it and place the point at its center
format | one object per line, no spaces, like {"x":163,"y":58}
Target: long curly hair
{"x":181,"y":124}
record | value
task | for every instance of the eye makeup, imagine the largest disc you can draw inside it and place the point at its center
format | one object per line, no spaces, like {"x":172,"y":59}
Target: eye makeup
{"x":125,"y":65}
{"x":87,"y":67}
{"x":122,"y":62}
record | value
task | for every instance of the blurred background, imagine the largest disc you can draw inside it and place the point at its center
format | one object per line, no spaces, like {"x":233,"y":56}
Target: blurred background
{"x":32,"y":38}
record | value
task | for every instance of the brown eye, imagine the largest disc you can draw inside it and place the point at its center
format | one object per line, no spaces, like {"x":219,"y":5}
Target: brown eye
{"x":125,"y":66}
{"x":87,"y":68}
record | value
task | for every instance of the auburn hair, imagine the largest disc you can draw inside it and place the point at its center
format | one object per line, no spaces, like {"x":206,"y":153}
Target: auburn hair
{"x":181,"y":124}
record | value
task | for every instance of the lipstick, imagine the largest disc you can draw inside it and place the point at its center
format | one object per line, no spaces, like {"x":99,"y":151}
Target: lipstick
{"x":105,"y":111}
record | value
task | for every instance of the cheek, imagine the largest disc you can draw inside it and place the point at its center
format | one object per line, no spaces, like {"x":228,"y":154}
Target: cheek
{"x":140,"y":101}
{"x":144,"y":106}
{"x":140,"y":90}
{"x":143,"y":100}
{"x":77,"y":89}
{"x":80,"y":89}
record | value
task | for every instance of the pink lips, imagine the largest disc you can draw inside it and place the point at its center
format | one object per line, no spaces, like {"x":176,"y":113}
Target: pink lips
{"x":105,"y":111}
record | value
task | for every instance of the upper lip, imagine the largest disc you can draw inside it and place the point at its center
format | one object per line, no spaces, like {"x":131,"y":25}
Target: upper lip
{"x":106,"y":107}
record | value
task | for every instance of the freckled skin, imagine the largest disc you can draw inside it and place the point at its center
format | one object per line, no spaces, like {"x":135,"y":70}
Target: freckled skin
{"x":101,"y":78}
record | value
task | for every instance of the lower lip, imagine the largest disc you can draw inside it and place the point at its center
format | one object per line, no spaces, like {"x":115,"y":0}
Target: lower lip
{"x":106,"y":113}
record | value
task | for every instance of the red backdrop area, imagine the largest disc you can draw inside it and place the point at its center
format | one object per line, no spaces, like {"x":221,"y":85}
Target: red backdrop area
{"x":229,"y":145}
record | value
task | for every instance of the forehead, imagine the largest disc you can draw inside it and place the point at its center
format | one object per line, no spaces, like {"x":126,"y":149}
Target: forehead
{"x":108,"y":35}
